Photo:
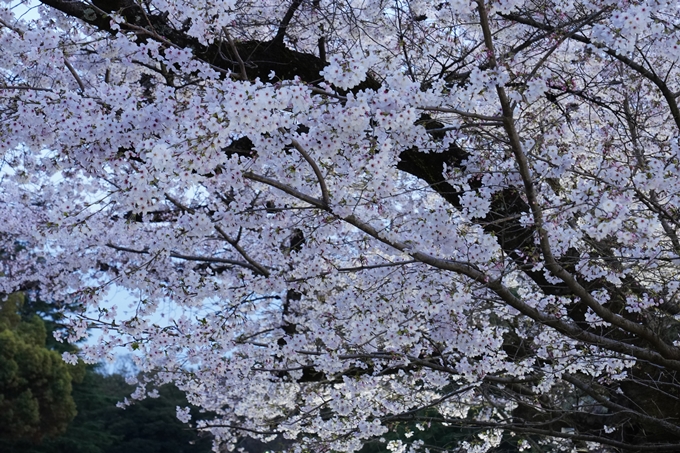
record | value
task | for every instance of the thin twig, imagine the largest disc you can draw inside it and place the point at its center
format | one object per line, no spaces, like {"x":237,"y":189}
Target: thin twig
{"x":495,"y":119}
{"x":19,"y":87}
{"x":178,"y":204}
{"x":650,"y":75}
{"x":240,"y":428}
{"x":617,"y":407}
{"x":664,"y":350}
{"x":206,"y":259}
{"x":11,"y":27}
{"x":241,"y":64}
{"x":317,"y":90}
{"x":287,"y":189}
{"x":354,"y":269}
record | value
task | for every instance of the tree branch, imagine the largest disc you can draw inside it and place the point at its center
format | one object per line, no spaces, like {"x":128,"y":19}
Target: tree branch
{"x":668,"y":95}
{"x":285,"y":22}
{"x":182,"y":256}
{"x":551,"y":262}
{"x":261,"y":269}
{"x":322,"y":183}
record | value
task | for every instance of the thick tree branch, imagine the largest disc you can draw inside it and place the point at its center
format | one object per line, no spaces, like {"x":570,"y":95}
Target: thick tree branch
{"x":285,"y":22}
{"x":261,"y":57}
{"x":551,"y":262}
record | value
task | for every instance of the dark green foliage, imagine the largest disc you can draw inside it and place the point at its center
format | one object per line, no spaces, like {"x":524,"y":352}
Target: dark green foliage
{"x":437,"y":436}
{"x":148,"y":426}
{"x":52,"y":316}
{"x":35,"y":384}
{"x":39,"y":396}
{"x":151,"y":426}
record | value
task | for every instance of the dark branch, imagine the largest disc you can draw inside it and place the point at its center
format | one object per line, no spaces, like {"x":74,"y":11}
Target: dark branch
{"x":285,"y":22}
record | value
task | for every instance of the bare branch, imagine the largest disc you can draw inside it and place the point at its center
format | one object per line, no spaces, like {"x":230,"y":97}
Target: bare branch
{"x":551,"y":262}
{"x":182,"y":256}
{"x":178,"y":204}
{"x":261,"y":269}
{"x":241,"y":64}
{"x":287,"y":189}
{"x":285,"y":22}
{"x":493,"y":119}
{"x":322,"y":183}
{"x":20,"y":87}
{"x":11,"y":27}
{"x":668,"y":95}
{"x":617,"y":407}
{"x":207,"y":426}
{"x":75,"y":74}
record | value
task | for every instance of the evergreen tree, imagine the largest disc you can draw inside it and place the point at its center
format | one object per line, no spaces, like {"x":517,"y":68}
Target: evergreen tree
{"x":35,"y":384}
{"x":149,"y":426}
{"x":39,"y":396}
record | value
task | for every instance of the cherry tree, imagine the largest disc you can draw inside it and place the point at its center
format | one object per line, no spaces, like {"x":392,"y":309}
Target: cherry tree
{"x":363,"y":213}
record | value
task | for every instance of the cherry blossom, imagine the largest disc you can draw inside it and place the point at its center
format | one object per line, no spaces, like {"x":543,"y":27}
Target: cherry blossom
{"x":335,"y":218}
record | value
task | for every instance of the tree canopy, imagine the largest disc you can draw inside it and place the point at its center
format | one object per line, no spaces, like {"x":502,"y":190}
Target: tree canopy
{"x":340,"y":217}
{"x":40,"y":395}
{"x":35,"y":383}
{"x":150,"y":426}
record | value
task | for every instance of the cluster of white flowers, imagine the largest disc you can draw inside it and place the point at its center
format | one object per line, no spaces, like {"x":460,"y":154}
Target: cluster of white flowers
{"x":335,"y":257}
{"x":346,"y":73}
